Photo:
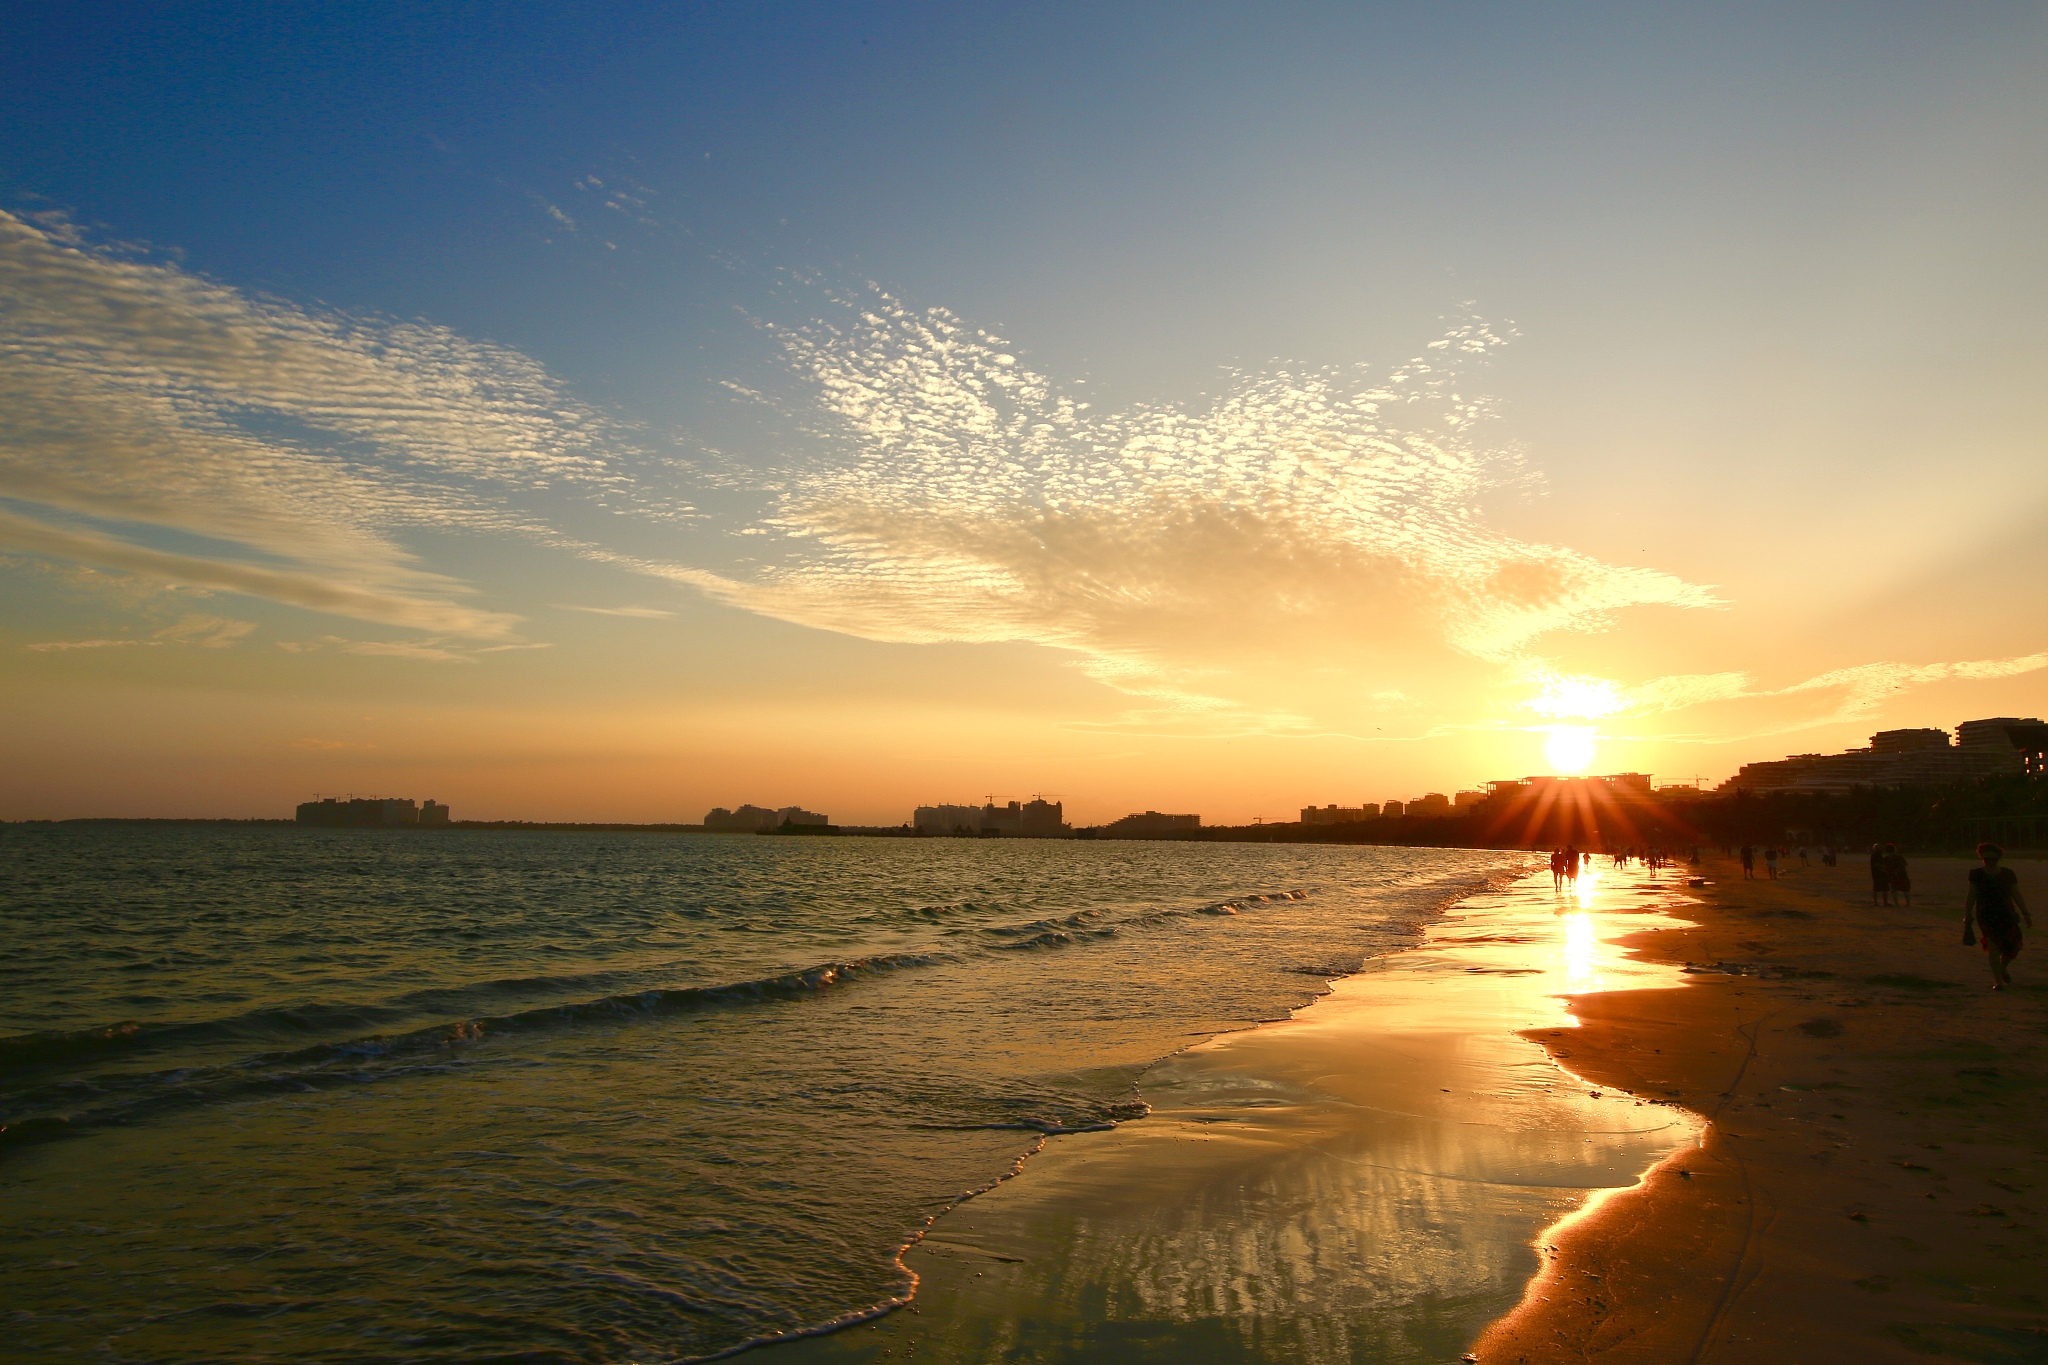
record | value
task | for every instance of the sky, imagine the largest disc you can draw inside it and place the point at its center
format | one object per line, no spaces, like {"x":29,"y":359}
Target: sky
{"x":605,"y":412}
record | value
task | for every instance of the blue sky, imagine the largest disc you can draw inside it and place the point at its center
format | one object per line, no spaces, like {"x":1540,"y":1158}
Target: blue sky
{"x":1718,"y":325}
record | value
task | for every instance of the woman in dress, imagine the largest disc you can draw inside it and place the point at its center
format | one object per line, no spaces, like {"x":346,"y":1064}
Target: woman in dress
{"x":1995,"y":902}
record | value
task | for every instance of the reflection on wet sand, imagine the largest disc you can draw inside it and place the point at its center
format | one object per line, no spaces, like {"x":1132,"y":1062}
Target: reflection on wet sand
{"x":1363,"y":1182}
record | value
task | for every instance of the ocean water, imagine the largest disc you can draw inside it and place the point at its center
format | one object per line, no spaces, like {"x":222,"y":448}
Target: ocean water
{"x":275,"y":1094}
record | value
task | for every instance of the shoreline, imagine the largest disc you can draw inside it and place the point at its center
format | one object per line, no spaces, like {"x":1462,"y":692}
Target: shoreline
{"x":1864,"y":1185}
{"x":1365,"y":1179}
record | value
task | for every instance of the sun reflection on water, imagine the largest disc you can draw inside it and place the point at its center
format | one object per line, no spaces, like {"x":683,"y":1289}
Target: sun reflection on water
{"x":1581,"y":950}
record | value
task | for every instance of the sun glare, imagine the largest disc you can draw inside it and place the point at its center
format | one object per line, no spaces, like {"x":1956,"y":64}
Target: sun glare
{"x":1570,"y":748}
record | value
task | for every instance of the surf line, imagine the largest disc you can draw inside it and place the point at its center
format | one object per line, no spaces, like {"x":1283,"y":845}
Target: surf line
{"x":1440,"y":899}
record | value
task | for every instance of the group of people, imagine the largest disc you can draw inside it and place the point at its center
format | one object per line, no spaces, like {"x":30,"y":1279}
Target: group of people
{"x":1993,"y":909}
{"x":1568,"y":862}
{"x":1772,"y":855}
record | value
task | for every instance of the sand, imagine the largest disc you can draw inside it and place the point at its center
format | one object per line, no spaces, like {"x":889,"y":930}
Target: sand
{"x":1868,"y":1188}
{"x":1365,"y":1181}
{"x":1536,"y":1137}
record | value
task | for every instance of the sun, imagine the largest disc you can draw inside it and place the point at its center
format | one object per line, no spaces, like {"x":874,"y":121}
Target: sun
{"x":1570,"y":748}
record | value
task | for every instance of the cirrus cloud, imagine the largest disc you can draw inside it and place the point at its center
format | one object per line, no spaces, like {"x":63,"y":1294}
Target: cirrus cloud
{"x":146,"y":402}
{"x":1330,"y":515}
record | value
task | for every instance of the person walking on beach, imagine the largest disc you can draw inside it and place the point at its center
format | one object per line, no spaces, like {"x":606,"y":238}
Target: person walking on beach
{"x":1748,"y":862}
{"x":1557,"y":869}
{"x":1880,"y":879}
{"x":1771,"y":861}
{"x":1896,"y":874}
{"x":1994,"y":900}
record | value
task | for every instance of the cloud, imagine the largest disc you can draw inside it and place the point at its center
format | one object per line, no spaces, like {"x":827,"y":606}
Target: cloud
{"x":145,"y":400}
{"x":1845,"y":694}
{"x":1328,"y":515}
{"x":278,"y":585}
{"x":203,"y":632}
{"x":646,"y":613}
{"x":443,"y":650}
{"x":431,"y":651}
{"x":47,"y":646}
{"x":1865,"y":687}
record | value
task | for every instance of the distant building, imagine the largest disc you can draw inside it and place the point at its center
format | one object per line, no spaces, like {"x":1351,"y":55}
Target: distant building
{"x":1910,"y":741}
{"x":366,"y":812}
{"x":434,"y":815}
{"x":1044,"y":819}
{"x":962,"y":820}
{"x":1393,"y":810}
{"x":1151,"y":824}
{"x":745,"y":820}
{"x":1466,"y":800}
{"x":1339,"y":815}
{"x":2005,"y":745}
{"x":1037,"y":818}
{"x":760,"y":820}
{"x":1906,"y":758}
{"x":1434,"y":806}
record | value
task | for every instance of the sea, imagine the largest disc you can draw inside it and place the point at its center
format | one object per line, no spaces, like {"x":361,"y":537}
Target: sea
{"x":301,"y":1095}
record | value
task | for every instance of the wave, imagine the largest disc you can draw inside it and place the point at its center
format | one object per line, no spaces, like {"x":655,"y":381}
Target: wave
{"x":130,"y":1096}
{"x":45,"y":1097}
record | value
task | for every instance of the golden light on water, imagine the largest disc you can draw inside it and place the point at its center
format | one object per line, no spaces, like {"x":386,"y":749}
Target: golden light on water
{"x":1581,"y":943}
{"x":1570,"y":748}
{"x":1580,"y":949}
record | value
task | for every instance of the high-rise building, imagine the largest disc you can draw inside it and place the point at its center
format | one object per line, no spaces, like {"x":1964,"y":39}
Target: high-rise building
{"x":1906,"y":758}
{"x":947,"y":819}
{"x":1340,"y":815}
{"x":1044,"y":819}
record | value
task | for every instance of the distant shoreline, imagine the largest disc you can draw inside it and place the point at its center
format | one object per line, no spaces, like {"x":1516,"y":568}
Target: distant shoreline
{"x":1402,"y":832}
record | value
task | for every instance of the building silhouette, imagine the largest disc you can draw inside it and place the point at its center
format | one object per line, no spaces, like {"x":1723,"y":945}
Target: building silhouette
{"x":761,"y":820}
{"x":962,"y":820}
{"x":1151,"y":824}
{"x":2002,"y":745}
{"x":1037,"y":818}
{"x":1340,"y":815}
{"x":373,"y":812}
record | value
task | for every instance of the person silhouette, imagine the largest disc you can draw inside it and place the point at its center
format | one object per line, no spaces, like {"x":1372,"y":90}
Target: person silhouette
{"x":1901,"y":880}
{"x":1995,"y":902}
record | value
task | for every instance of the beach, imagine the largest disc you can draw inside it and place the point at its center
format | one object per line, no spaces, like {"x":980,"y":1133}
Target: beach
{"x":1367,"y":1180}
{"x":1817,"y":1143}
{"x":1868,"y":1183}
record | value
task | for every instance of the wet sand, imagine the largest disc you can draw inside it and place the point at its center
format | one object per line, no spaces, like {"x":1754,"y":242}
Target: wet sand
{"x":1869,"y":1184}
{"x":1367,"y":1181}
